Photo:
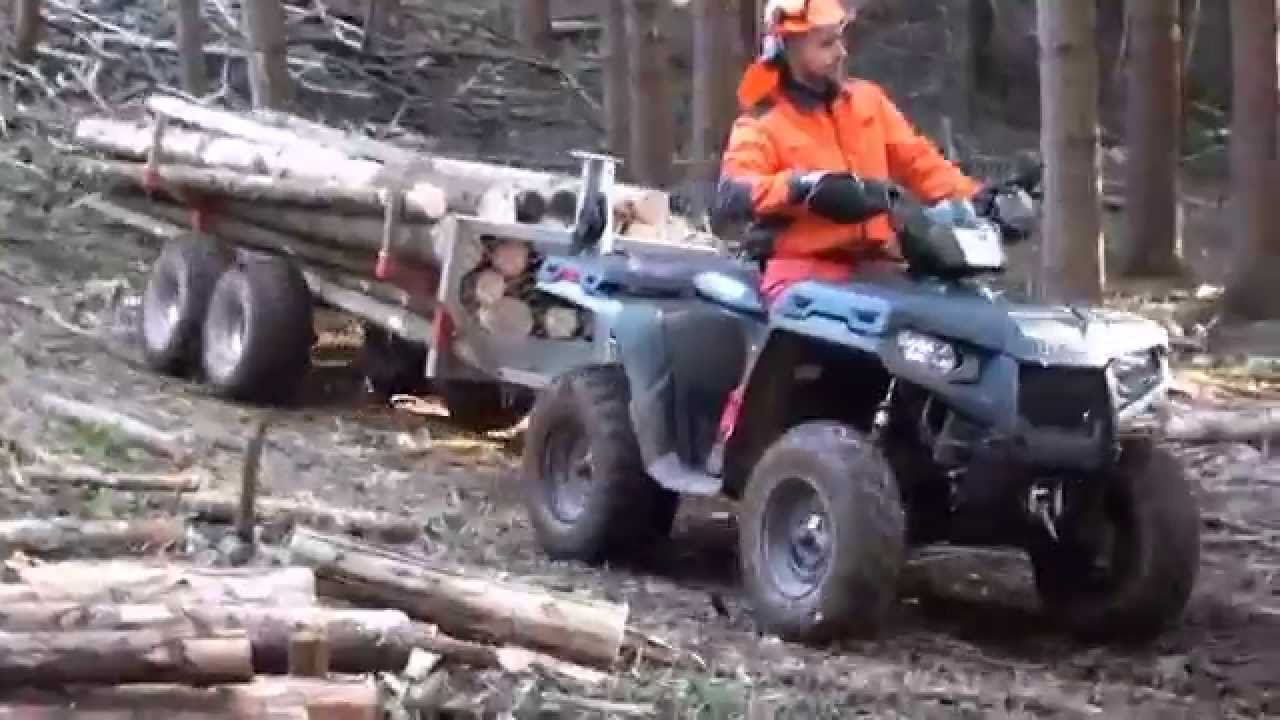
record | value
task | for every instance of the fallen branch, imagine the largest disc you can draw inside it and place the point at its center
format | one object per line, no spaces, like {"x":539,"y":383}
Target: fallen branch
{"x":162,"y":443}
{"x":466,"y":606}
{"x":63,"y":536}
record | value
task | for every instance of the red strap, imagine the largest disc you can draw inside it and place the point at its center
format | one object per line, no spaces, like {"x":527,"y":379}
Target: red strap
{"x":150,"y":178}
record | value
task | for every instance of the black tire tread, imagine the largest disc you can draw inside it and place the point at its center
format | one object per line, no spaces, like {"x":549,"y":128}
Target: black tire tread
{"x":634,"y":511}
{"x":863,"y":498}
{"x":277,"y":355}
{"x":1168,"y":518}
{"x":203,"y":261}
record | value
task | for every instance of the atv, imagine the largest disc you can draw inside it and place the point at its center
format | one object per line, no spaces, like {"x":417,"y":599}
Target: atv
{"x":918,"y":403}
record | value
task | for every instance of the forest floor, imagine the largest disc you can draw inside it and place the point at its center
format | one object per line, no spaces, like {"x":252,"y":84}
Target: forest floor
{"x":966,"y":640}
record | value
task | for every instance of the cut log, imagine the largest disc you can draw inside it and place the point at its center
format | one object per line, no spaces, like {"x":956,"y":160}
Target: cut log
{"x":134,"y":656}
{"x":162,"y":443}
{"x":466,"y":606}
{"x":490,"y":286}
{"x":360,"y":641}
{"x":221,"y":508}
{"x":511,"y":258}
{"x":60,"y":537}
{"x":1207,"y":426}
{"x":507,"y":317}
{"x":412,"y":241}
{"x":139,"y":582}
{"x":420,"y":203}
{"x":560,"y":322}
{"x":265,"y":698}
{"x":89,"y":477}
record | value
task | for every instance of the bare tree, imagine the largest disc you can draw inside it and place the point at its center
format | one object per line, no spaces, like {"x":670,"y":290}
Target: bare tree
{"x":263,"y":25}
{"x":1251,"y":292}
{"x":1073,"y":260}
{"x":195,"y":73}
{"x":28,"y":29}
{"x":1153,"y":131}
{"x":533,"y":25}
{"x":617,"y":91}
{"x":717,"y":57}
{"x":649,"y":63}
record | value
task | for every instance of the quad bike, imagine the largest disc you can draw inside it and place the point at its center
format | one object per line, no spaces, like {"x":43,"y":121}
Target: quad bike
{"x":909,"y":406}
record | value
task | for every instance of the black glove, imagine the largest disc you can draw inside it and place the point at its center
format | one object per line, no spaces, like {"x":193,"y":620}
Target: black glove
{"x":842,"y":197}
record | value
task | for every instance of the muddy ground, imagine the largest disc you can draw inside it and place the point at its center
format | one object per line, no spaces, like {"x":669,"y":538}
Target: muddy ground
{"x":967,"y":639}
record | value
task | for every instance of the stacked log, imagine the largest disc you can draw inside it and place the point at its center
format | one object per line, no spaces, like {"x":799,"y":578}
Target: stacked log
{"x":349,"y":209}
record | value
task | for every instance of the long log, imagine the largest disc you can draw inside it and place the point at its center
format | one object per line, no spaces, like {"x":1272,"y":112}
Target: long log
{"x":138,"y":582}
{"x":64,"y":536}
{"x":265,"y":698}
{"x":307,"y":192}
{"x":464,"y":181}
{"x":467,"y":606}
{"x":238,"y":157}
{"x":1207,"y":426}
{"x":222,"y":508}
{"x":135,"y":656}
{"x":162,"y":443}
{"x":412,"y":241}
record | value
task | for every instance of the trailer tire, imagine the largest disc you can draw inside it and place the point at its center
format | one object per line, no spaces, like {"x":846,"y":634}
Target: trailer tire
{"x":258,"y":333}
{"x":479,"y":406}
{"x":176,"y":299}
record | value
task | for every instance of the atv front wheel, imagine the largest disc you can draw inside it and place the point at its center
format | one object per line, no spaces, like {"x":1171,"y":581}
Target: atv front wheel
{"x":584,"y":483}
{"x":1128,"y":571}
{"x":822,"y":535}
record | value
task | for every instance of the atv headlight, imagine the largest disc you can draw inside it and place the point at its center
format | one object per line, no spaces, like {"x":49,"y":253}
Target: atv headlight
{"x":937,"y":355}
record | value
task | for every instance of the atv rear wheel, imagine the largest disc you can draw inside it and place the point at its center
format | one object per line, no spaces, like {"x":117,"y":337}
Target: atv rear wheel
{"x":176,"y":299}
{"x":584,"y":483}
{"x":822,"y":534}
{"x":1146,"y":531}
{"x":259,"y":332}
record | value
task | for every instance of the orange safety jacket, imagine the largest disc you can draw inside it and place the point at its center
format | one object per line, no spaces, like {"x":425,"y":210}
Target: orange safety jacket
{"x":796,"y":131}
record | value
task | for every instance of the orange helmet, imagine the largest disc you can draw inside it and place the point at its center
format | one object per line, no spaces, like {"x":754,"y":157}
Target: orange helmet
{"x":784,"y":18}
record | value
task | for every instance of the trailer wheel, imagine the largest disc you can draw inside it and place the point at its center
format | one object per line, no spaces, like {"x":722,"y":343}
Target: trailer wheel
{"x":258,"y":333}
{"x":176,"y":299}
{"x":481,"y":406}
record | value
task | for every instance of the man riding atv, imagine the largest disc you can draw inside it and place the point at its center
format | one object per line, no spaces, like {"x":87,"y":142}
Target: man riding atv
{"x":814,"y":158}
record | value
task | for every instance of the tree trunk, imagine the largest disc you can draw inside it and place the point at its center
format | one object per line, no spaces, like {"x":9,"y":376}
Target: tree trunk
{"x":1072,"y":234}
{"x":533,"y":25}
{"x":195,"y":73}
{"x":749,"y":12}
{"x":717,"y":61}
{"x":28,"y":29}
{"x":135,"y":656}
{"x":463,"y":605}
{"x":60,"y":537}
{"x":653,"y":121}
{"x":266,"y":698}
{"x":1153,"y":132}
{"x":140,"y":582}
{"x":269,"y":81}
{"x":956,"y":17}
{"x":617,"y":90}
{"x":1251,"y":294}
